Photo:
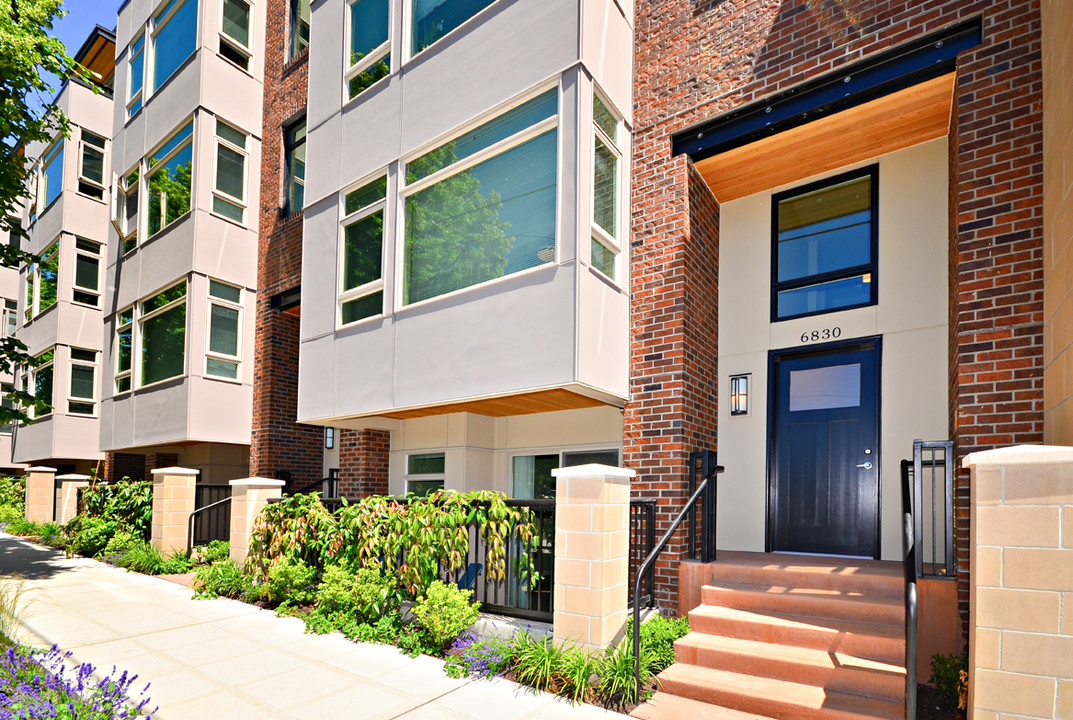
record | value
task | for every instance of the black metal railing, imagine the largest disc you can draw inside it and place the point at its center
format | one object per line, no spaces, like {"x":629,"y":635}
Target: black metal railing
{"x":701,"y":523}
{"x":928,"y":547}
{"x":212,"y":523}
{"x":223,"y":505}
{"x":642,"y":540}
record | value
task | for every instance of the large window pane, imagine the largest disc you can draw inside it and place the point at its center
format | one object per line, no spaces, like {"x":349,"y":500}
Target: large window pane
{"x":174,"y":40}
{"x":82,"y":382}
{"x":50,"y":268}
{"x":236,"y":21}
{"x":137,"y":71}
{"x":295,"y":138}
{"x":163,"y":345}
{"x":223,"y":330}
{"x":52,"y":174}
{"x":124,"y":336}
{"x":299,"y":27}
{"x":531,"y":477}
{"x":43,"y":387}
{"x":425,"y":464}
{"x":605,"y":194}
{"x":825,"y":296}
{"x":362,"y":251}
{"x":491,"y":220}
{"x":230,"y":171}
{"x":169,"y":181}
{"x":369,"y":22}
{"x":93,"y":157}
{"x":432,"y":19}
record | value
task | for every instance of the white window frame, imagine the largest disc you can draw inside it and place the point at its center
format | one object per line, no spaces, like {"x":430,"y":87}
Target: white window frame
{"x":94,"y":366}
{"x":219,"y":141}
{"x":33,"y":288}
{"x":209,"y":354}
{"x":83,"y":146}
{"x":599,"y":234}
{"x":81,"y":252}
{"x":31,"y":373}
{"x":498,"y":148}
{"x":147,"y":172}
{"x":408,"y":28}
{"x":119,"y":216}
{"x":234,"y":43}
{"x":9,"y":312}
{"x":127,"y":374}
{"x":141,"y":317}
{"x":352,"y":70}
{"x":156,"y":23}
{"x":137,"y":98}
{"x":409,"y":477}
{"x":345,"y":296}
{"x":47,"y":158}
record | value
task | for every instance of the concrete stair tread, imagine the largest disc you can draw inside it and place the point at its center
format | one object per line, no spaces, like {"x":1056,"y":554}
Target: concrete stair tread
{"x":664,"y":706}
{"x":825,"y":593}
{"x":807,"y":603}
{"x":772,"y":698}
{"x":811,"y":656}
{"x":835,"y":670}
{"x":879,"y":642}
{"x":859,"y":574}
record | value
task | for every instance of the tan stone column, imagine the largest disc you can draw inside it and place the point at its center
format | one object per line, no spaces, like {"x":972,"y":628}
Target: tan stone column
{"x":248,"y":498}
{"x":173,"y":501}
{"x":40,"y":493}
{"x":67,"y":496}
{"x":592,"y":543}
{"x":1021,"y":583}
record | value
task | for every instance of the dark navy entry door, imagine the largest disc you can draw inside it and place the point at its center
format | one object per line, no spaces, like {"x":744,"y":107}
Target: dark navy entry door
{"x":823,"y":491}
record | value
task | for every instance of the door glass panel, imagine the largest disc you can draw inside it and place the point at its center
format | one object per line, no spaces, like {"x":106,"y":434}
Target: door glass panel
{"x":825,"y":388}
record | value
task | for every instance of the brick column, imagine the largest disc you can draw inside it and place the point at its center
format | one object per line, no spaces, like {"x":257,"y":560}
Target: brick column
{"x":1021,"y":541}
{"x":67,"y":496}
{"x":592,"y":543}
{"x":248,"y":498}
{"x":40,"y":492}
{"x":173,"y":501}
{"x":363,"y":462}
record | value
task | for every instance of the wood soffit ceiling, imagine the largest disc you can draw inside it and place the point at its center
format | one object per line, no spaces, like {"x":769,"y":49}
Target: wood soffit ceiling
{"x":521,"y":404}
{"x":908,"y":117}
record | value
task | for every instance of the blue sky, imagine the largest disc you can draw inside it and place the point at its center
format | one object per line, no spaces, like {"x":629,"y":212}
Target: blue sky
{"x":82,"y":16}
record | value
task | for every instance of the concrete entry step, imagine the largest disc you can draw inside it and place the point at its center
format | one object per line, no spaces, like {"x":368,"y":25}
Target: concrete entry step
{"x":791,"y":636}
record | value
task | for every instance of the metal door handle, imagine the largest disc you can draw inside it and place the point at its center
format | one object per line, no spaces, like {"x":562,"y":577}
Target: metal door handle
{"x":866,"y":466}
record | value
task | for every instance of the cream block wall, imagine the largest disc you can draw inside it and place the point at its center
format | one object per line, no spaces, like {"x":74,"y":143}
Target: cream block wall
{"x":478,"y":448}
{"x":911,"y":318}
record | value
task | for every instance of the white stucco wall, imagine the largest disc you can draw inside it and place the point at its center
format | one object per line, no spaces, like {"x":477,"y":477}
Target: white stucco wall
{"x":911,"y":317}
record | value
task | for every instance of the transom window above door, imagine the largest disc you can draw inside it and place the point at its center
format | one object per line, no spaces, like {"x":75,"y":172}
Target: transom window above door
{"x":824,"y":246}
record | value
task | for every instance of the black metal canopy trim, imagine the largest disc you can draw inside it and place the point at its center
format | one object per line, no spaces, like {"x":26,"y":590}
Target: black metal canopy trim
{"x":287,"y":299}
{"x":873,"y":77}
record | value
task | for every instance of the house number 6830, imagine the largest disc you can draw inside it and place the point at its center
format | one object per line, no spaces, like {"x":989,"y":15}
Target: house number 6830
{"x":818,"y":335}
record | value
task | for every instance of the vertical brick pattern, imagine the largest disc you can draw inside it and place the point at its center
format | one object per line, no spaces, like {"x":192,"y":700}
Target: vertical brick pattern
{"x":1058,"y":223}
{"x":154,"y":461}
{"x":694,"y":61}
{"x":279,"y":444}
{"x":363,"y":462}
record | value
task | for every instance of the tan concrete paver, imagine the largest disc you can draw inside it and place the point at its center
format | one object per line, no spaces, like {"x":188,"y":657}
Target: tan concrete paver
{"x":224,"y":659}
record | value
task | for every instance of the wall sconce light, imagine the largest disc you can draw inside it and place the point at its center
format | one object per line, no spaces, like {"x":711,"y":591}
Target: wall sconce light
{"x":329,"y":438}
{"x":739,"y":395}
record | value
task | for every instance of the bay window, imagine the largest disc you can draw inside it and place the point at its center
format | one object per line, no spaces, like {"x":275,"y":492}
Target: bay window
{"x":168,"y":176}
{"x":162,"y":335}
{"x":432,"y":19}
{"x":482,"y":205}
{"x":91,"y":165}
{"x":225,"y":314}
{"x":235,"y":23}
{"x":174,"y":39}
{"x":87,"y":283}
{"x":369,"y":59}
{"x":229,"y":190}
{"x":82,"y":390}
{"x":361,"y":283}
{"x":606,"y":214}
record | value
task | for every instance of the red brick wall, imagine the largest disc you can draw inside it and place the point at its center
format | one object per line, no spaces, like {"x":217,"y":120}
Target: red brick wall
{"x":155,"y":461}
{"x":279,"y":444}
{"x":694,"y":61}
{"x":116,"y":466}
{"x":363,"y":462}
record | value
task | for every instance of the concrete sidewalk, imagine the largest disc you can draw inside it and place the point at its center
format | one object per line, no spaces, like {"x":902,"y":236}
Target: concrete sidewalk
{"x":220,"y":659}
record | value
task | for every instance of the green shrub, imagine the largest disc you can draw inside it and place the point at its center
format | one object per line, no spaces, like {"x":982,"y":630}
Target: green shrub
{"x":224,"y":579}
{"x":121,"y":542}
{"x":9,"y":513}
{"x":946,"y":674}
{"x":176,"y":564}
{"x":13,"y":493}
{"x":384,"y":631}
{"x":657,"y":638}
{"x":444,"y":611}
{"x":89,"y":535}
{"x":23,"y":527}
{"x":216,"y":551}
{"x":129,"y":504}
{"x":51,"y":534}
{"x":292,"y":581}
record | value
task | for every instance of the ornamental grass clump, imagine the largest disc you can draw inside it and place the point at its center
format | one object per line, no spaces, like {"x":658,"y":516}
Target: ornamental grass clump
{"x":43,"y":685}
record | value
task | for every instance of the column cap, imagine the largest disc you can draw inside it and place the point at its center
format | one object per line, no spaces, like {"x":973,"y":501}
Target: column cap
{"x":72,"y":476}
{"x":41,"y":468}
{"x":257,"y":482}
{"x":1020,"y":455}
{"x":594,"y":470}
{"x":174,"y":471}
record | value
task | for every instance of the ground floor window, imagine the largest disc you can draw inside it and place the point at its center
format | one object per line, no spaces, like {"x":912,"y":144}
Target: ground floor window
{"x":425,"y":473}
{"x":531,"y":477}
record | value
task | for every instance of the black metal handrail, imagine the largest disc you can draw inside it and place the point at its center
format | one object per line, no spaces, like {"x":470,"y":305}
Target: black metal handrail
{"x":190,"y":522}
{"x":705,"y":488}
{"x":642,"y":539}
{"x":913,"y":542}
{"x":331,"y":487}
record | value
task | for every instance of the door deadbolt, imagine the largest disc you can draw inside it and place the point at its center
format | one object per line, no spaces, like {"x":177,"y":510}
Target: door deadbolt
{"x":866,"y":466}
